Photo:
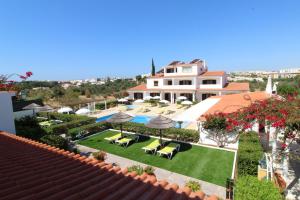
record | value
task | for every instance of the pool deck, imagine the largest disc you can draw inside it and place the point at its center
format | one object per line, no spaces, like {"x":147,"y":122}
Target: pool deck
{"x":161,"y":174}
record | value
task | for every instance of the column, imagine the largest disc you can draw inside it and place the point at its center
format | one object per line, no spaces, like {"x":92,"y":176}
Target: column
{"x":161,"y":95}
{"x":194,"y":96}
{"x":172,"y":96}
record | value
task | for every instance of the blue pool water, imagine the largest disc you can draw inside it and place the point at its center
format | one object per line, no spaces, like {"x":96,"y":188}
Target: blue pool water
{"x":131,"y":106}
{"x":143,"y":119}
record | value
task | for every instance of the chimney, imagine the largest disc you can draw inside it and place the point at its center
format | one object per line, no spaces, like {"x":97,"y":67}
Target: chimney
{"x":269,"y":85}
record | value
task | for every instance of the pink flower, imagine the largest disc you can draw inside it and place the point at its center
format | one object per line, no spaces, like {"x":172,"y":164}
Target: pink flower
{"x":23,"y":77}
{"x":28,"y":74}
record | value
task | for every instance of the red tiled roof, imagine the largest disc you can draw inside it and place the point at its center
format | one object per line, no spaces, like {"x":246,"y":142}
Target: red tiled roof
{"x":233,"y":102}
{"x":213,"y":73}
{"x":30,"y":170}
{"x":138,"y":87}
{"x":231,"y":87}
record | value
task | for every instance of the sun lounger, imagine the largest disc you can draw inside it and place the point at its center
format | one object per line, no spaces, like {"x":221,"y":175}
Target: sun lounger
{"x":45,"y":123}
{"x":114,"y":138}
{"x":169,"y":150}
{"x":126,"y":140}
{"x":152,"y":147}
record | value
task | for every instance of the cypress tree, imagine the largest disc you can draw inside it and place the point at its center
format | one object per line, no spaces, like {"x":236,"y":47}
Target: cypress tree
{"x":153,"y":68}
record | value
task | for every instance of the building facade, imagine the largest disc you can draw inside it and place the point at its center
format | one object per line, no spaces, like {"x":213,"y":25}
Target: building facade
{"x":192,"y":80}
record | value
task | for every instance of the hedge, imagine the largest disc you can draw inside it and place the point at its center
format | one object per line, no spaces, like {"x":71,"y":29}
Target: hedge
{"x":249,"y":153}
{"x":186,"y":135}
{"x":172,"y":133}
{"x":55,"y":140}
{"x":64,"y":127}
{"x":88,"y":129}
{"x":109,"y":104}
{"x":249,"y":188}
{"x":63,"y":117}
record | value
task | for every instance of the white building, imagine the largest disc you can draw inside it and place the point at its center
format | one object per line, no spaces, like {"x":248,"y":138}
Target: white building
{"x":7,"y":122}
{"x":191,"y":80}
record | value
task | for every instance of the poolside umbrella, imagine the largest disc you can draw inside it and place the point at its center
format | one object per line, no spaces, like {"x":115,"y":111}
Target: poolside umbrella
{"x":164,"y":101}
{"x":32,"y":106}
{"x":186,"y":102}
{"x":160,"y":122}
{"x":122,"y":100}
{"x":120,"y":118}
{"x":139,"y":101}
{"x":65,"y":110}
{"x":46,"y":108}
{"x":148,"y":97}
{"x":156,"y":97}
{"x":182,"y":98}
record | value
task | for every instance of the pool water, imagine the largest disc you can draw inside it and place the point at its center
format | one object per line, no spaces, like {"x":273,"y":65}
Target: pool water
{"x":143,"y":119}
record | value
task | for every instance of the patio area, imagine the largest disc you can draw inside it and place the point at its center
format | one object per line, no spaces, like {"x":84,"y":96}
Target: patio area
{"x":202,"y":163}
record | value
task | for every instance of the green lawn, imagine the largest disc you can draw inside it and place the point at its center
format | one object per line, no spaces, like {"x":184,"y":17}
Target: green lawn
{"x":203,"y":163}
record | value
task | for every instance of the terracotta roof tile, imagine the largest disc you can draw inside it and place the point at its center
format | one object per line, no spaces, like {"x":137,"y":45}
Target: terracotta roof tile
{"x":32,"y":170}
{"x":213,"y":73}
{"x":233,"y":102}
{"x":233,"y":86}
{"x":138,"y":87}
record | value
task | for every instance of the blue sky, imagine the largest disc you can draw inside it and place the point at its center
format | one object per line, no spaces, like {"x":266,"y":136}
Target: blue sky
{"x":72,"y":39}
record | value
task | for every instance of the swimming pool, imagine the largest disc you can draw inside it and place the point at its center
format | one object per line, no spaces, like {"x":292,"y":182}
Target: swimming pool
{"x":143,"y":119}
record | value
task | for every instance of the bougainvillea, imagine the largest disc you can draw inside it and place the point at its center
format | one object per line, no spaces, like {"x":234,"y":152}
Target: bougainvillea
{"x":8,"y":85}
{"x":283,"y":114}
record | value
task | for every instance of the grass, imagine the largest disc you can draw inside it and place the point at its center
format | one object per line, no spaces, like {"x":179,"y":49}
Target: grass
{"x":207,"y":164}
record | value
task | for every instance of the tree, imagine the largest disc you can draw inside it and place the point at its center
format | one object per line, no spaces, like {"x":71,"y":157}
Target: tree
{"x":153,"y":68}
{"x":286,"y":89}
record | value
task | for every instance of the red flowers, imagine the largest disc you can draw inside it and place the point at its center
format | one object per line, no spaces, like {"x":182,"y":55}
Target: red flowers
{"x":8,"y":85}
{"x":283,"y":146}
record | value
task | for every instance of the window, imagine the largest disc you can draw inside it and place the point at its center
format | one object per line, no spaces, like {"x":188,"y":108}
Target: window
{"x":208,"y":82}
{"x":205,"y":96}
{"x":155,"y":83}
{"x":185,"y":82}
{"x":169,"y":82}
{"x":170,"y":70}
{"x":187,"y":70}
{"x":154,"y":94}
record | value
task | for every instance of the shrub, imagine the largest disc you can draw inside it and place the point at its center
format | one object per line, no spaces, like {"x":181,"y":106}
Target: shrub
{"x":136,"y":168}
{"x":149,"y":170}
{"x":172,"y":133}
{"x":109,"y":104}
{"x":249,"y":188}
{"x":249,"y":154}
{"x":88,"y":129}
{"x":64,"y":127}
{"x":193,"y":185}
{"x":63,"y":117}
{"x":55,"y":140}
{"x":28,"y":127}
{"x":100,"y":155}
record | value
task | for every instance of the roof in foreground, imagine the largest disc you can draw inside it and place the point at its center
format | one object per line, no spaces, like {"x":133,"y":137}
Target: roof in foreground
{"x":32,"y":170}
{"x":233,"y":102}
{"x":229,"y":87}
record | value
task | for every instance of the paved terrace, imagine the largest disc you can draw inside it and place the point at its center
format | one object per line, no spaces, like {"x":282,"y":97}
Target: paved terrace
{"x":161,"y":174}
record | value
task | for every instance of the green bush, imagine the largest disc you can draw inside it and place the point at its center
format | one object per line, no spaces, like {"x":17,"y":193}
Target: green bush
{"x":64,"y":127}
{"x":249,"y":188}
{"x":109,"y":104}
{"x":28,"y":127}
{"x":193,"y":185}
{"x":136,"y":168}
{"x":62,"y":117}
{"x":88,"y":129}
{"x":249,"y":153}
{"x":149,"y":170}
{"x":55,"y":140}
{"x":186,"y":135}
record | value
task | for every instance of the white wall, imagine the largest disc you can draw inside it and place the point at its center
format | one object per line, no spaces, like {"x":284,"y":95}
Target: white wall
{"x":23,"y":113}
{"x":7,"y":122}
{"x":150,"y":83}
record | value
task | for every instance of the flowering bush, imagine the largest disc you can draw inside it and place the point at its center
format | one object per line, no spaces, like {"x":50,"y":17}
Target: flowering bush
{"x":283,"y":114}
{"x":8,"y":85}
